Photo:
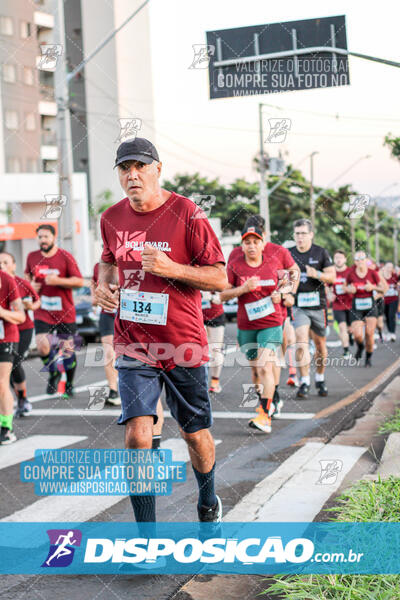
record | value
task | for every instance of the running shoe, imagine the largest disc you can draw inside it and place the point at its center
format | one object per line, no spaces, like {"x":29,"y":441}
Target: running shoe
{"x":211,"y":514}
{"x":262,"y":422}
{"x":368,"y":362}
{"x":321,"y":387}
{"x":303,"y":390}
{"x":69,"y":390}
{"x":7,"y":436}
{"x":113,"y":399}
{"x":215,"y":388}
{"x":293,"y":381}
{"x":346,"y":355}
{"x":276,"y":406}
{"x":24,"y":407}
{"x":52,"y":384}
{"x":359,"y":353}
{"x":392,"y":337}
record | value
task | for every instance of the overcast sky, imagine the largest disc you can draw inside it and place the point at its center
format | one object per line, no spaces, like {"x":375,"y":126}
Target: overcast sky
{"x":220,"y":137}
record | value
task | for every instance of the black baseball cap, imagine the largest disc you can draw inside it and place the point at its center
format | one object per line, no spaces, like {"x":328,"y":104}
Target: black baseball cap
{"x":137,"y":149}
{"x":251,"y":230}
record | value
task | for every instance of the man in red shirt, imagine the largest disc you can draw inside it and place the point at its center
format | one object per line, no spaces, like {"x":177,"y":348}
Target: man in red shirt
{"x":361,"y":282}
{"x":30,"y":301}
{"x":342,"y":302}
{"x":11,"y":315}
{"x":159,"y":335}
{"x":54,"y":273}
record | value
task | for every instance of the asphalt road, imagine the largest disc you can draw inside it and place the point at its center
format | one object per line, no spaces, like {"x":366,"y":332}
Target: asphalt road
{"x":244,"y":456}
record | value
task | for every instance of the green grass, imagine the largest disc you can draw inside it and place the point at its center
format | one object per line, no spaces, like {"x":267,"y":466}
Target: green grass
{"x":392,"y":424}
{"x":366,"y":501}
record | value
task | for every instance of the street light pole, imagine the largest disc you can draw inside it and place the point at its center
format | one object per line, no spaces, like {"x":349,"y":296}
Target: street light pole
{"x":395,"y":245}
{"x":377,"y":256}
{"x":312,"y":200}
{"x":65,"y":163}
{"x":264,"y":200}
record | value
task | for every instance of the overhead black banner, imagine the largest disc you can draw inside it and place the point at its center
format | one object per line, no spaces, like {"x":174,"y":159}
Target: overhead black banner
{"x":306,"y":68}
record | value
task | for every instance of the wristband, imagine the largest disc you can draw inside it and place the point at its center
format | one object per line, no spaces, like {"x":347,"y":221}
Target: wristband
{"x":319,"y":273}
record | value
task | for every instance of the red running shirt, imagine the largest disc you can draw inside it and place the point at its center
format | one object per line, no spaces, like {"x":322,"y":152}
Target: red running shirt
{"x":359,"y":282}
{"x":26,"y":290}
{"x":342,"y":301}
{"x":57,"y":304}
{"x":392,"y":295}
{"x":253,"y":303}
{"x":276,"y":255}
{"x":183,"y":232}
{"x":8,"y":293}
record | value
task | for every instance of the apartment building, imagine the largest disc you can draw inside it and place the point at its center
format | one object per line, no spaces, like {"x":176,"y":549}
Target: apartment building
{"x":103,"y":93}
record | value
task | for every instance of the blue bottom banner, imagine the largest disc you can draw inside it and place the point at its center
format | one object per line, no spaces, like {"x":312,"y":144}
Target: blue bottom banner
{"x":208,"y":548}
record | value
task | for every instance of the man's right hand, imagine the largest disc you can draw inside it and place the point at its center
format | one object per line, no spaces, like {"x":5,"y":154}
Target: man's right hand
{"x":251,"y":284}
{"x":36,"y":286}
{"x":107,"y":296}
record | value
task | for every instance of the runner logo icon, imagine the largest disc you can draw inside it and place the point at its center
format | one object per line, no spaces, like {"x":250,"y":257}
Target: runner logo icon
{"x":61,"y":551}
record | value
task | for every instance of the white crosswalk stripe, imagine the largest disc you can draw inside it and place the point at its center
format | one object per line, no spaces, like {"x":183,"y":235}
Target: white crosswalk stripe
{"x":80,"y":508}
{"x":112,"y":412}
{"x":25,"y":449}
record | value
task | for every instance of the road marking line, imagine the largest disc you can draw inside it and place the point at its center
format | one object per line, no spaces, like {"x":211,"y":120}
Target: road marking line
{"x":369,"y":387}
{"x":291,"y":492}
{"x":25,"y":449}
{"x":81,"y":388}
{"x":113,"y":412}
{"x":80,"y":508}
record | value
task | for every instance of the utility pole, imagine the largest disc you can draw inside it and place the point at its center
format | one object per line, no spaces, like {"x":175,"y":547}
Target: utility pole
{"x":377,"y":257}
{"x":264,"y":200}
{"x":353,"y":237}
{"x":367,"y":229}
{"x":61,"y":81}
{"x":312,"y":199}
{"x":65,"y":164}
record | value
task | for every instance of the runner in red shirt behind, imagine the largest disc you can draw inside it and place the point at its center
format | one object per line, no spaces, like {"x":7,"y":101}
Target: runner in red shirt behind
{"x":54,"y":273}
{"x":361,"y":282}
{"x":391,"y":299}
{"x":11,"y":315}
{"x":30,"y":301}
{"x":342,"y":302}
{"x":254,"y":281}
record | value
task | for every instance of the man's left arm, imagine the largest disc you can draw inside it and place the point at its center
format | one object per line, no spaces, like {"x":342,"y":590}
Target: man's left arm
{"x":66,"y":282}
{"x":207,"y":277}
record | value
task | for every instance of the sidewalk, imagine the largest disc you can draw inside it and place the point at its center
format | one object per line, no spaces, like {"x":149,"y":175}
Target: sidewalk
{"x":363,"y":440}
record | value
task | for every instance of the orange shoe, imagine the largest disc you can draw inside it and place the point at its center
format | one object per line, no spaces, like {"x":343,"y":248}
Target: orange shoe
{"x":262,"y":422}
{"x":293,"y":381}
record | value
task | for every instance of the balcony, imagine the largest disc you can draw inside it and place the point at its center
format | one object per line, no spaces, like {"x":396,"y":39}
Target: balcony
{"x":47,"y":109}
{"x":43,"y":19}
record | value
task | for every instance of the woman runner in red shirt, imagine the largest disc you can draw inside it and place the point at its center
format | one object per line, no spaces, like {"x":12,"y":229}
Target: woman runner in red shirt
{"x":361,"y":282}
{"x":254,"y":282}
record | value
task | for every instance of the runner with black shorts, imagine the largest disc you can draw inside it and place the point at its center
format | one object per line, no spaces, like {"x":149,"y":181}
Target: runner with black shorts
{"x":159,"y":336}
{"x":30,"y":302}
{"x":53,"y":273}
{"x":362,"y":282}
{"x":11,"y":315}
{"x":214,"y":322}
{"x":309,"y":312}
{"x":391,"y":299}
{"x":342,"y":302}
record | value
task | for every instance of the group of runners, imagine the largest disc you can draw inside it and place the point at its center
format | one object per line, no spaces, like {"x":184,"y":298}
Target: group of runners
{"x":160,"y":284}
